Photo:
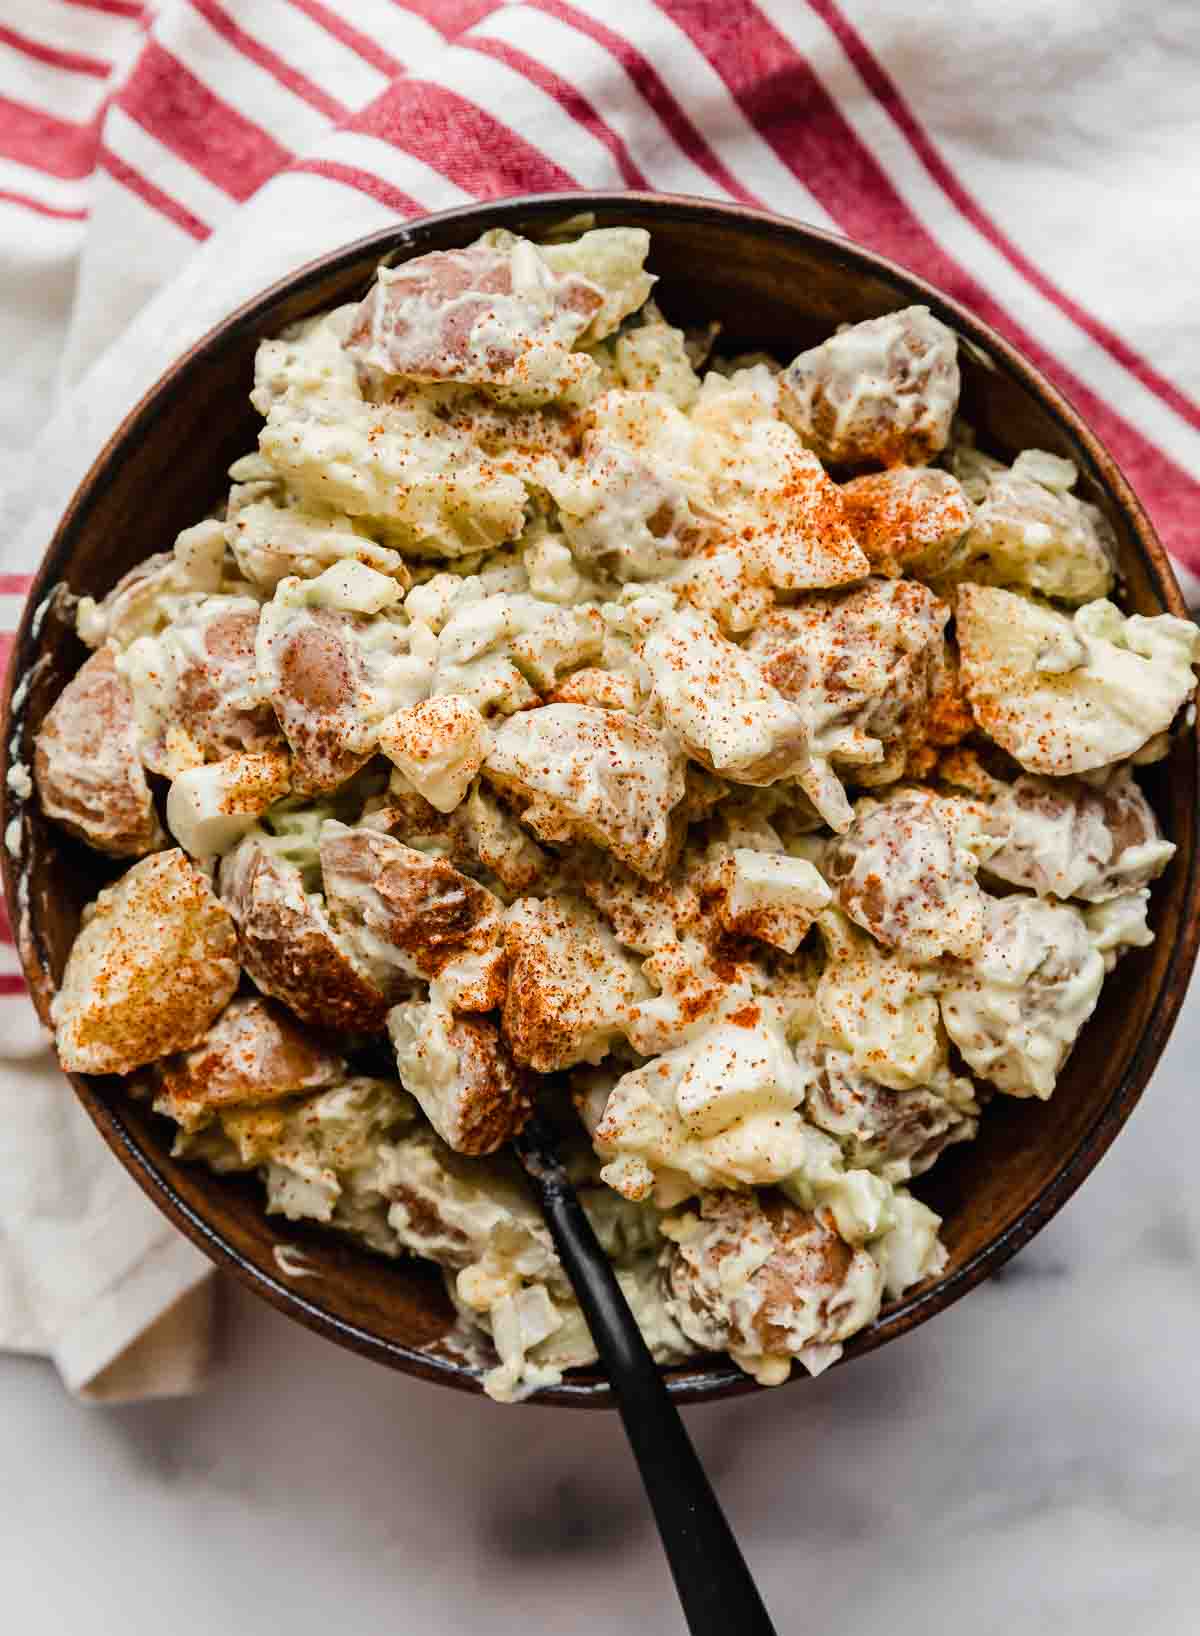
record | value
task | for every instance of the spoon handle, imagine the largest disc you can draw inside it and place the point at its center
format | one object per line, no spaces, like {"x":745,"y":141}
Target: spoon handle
{"x":718,"y":1594}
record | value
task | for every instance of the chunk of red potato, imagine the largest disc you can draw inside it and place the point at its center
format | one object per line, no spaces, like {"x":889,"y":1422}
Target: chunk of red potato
{"x":905,"y":871}
{"x":401,"y":811}
{"x":717,"y":698}
{"x":798,"y":537}
{"x":439,"y":746}
{"x":571,"y":987}
{"x":697,"y":980}
{"x":721,"y":581}
{"x":407,"y":915}
{"x":398,"y":469}
{"x":316,"y":677}
{"x":1070,"y":694}
{"x":898,"y":1133}
{"x":603,"y":775}
{"x":254,"y":1054}
{"x":336,"y":664}
{"x":1016,"y":1009}
{"x":493,"y":314}
{"x":132,"y":608}
{"x":716,"y":1109}
{"x":697,"y":966}
{"x":480,"y":835}
{"x":210,"y":808}
{"x":754,"y":1276}
{"x":878,"y":1005}
{"x":646,"y":915}
{"x":526,"y":441}
{"x":1029,"y":532}
{"x":634,"y":502}
{"x":945,"y":721}
{"x":628,"y":516}
{"x":972,"y":769}
{"x":613,"y":259}
{"x":216,"y":699}
{"x":882,"y":392}
{"x":1066,"y":839}
{"x":288,"y":945}
{"x":154,"y":964}
{"x":87,"y":763}
{"x":908,"y":520}
{"x":858,"y":666}
{"x":462,"y":1075}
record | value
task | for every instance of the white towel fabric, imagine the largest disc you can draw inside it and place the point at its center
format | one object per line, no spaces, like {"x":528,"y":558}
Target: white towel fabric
{"x":160,"y":163}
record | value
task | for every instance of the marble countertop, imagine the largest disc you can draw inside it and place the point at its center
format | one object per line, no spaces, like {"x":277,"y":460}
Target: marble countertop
{"x":1028,"y":1462}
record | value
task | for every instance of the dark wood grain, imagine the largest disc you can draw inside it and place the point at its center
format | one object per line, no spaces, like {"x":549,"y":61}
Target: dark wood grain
{"x":775,"y":284}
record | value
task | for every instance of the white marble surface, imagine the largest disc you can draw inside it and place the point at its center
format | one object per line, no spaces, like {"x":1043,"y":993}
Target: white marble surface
{"x":1027,"y":1463}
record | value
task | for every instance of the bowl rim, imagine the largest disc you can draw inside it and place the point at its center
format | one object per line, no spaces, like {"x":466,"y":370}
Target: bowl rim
{"x":691,"y":1382}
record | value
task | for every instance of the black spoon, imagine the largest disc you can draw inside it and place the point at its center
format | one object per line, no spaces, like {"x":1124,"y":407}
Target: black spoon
{"x":715,"y":1587}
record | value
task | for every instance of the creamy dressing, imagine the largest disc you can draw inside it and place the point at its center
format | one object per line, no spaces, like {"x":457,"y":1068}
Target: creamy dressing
{"x":19,"y":781}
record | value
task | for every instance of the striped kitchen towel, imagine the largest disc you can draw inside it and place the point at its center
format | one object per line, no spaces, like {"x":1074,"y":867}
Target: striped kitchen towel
{"x":161,"y":162}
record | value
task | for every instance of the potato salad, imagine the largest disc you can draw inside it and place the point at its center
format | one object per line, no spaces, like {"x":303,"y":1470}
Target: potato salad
{"x":721,"y":753}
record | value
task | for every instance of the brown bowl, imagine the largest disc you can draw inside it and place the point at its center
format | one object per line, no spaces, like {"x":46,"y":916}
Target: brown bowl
{"x":774,"y":284}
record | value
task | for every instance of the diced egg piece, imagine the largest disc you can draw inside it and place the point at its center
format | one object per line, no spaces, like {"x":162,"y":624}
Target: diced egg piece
{"x":210,"y":808}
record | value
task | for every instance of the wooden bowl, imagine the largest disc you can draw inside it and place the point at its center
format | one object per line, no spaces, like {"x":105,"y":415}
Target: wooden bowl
{"x":773,"y":284}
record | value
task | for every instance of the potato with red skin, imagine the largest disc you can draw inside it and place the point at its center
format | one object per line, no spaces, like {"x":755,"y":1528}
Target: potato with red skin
{"x":153,"y":966}
{"x":317,"y":679}
{"x":87,"y":763}
{"x":948,"y":718}
{"x":132,"y":607}
{"x":137,"y":605}
{"x":899,"y":1133}
{"x":600,"y":689}
{"x":1062,"y":838}
{"x":592,"y":774}
{"x":409,"y":916}
{"x":254,"y":1054}
{"x":460,"y":315}
{"x":1016,"y":1009}
{"x":1072,"y":693}
{"x":882,"y":392}
{"x":799,"y":1284}
{"x":904,"y":870}
{"x":461,"y":1073}
{"x":288,"y":946}
{"x":862,"y":665}
{"x":215,"y":693}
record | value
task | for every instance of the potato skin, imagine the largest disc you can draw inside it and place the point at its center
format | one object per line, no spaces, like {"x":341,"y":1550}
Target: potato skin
{"x":87,"y":763}
{"x":287,"y":945}
{"x":254,"y":1054}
